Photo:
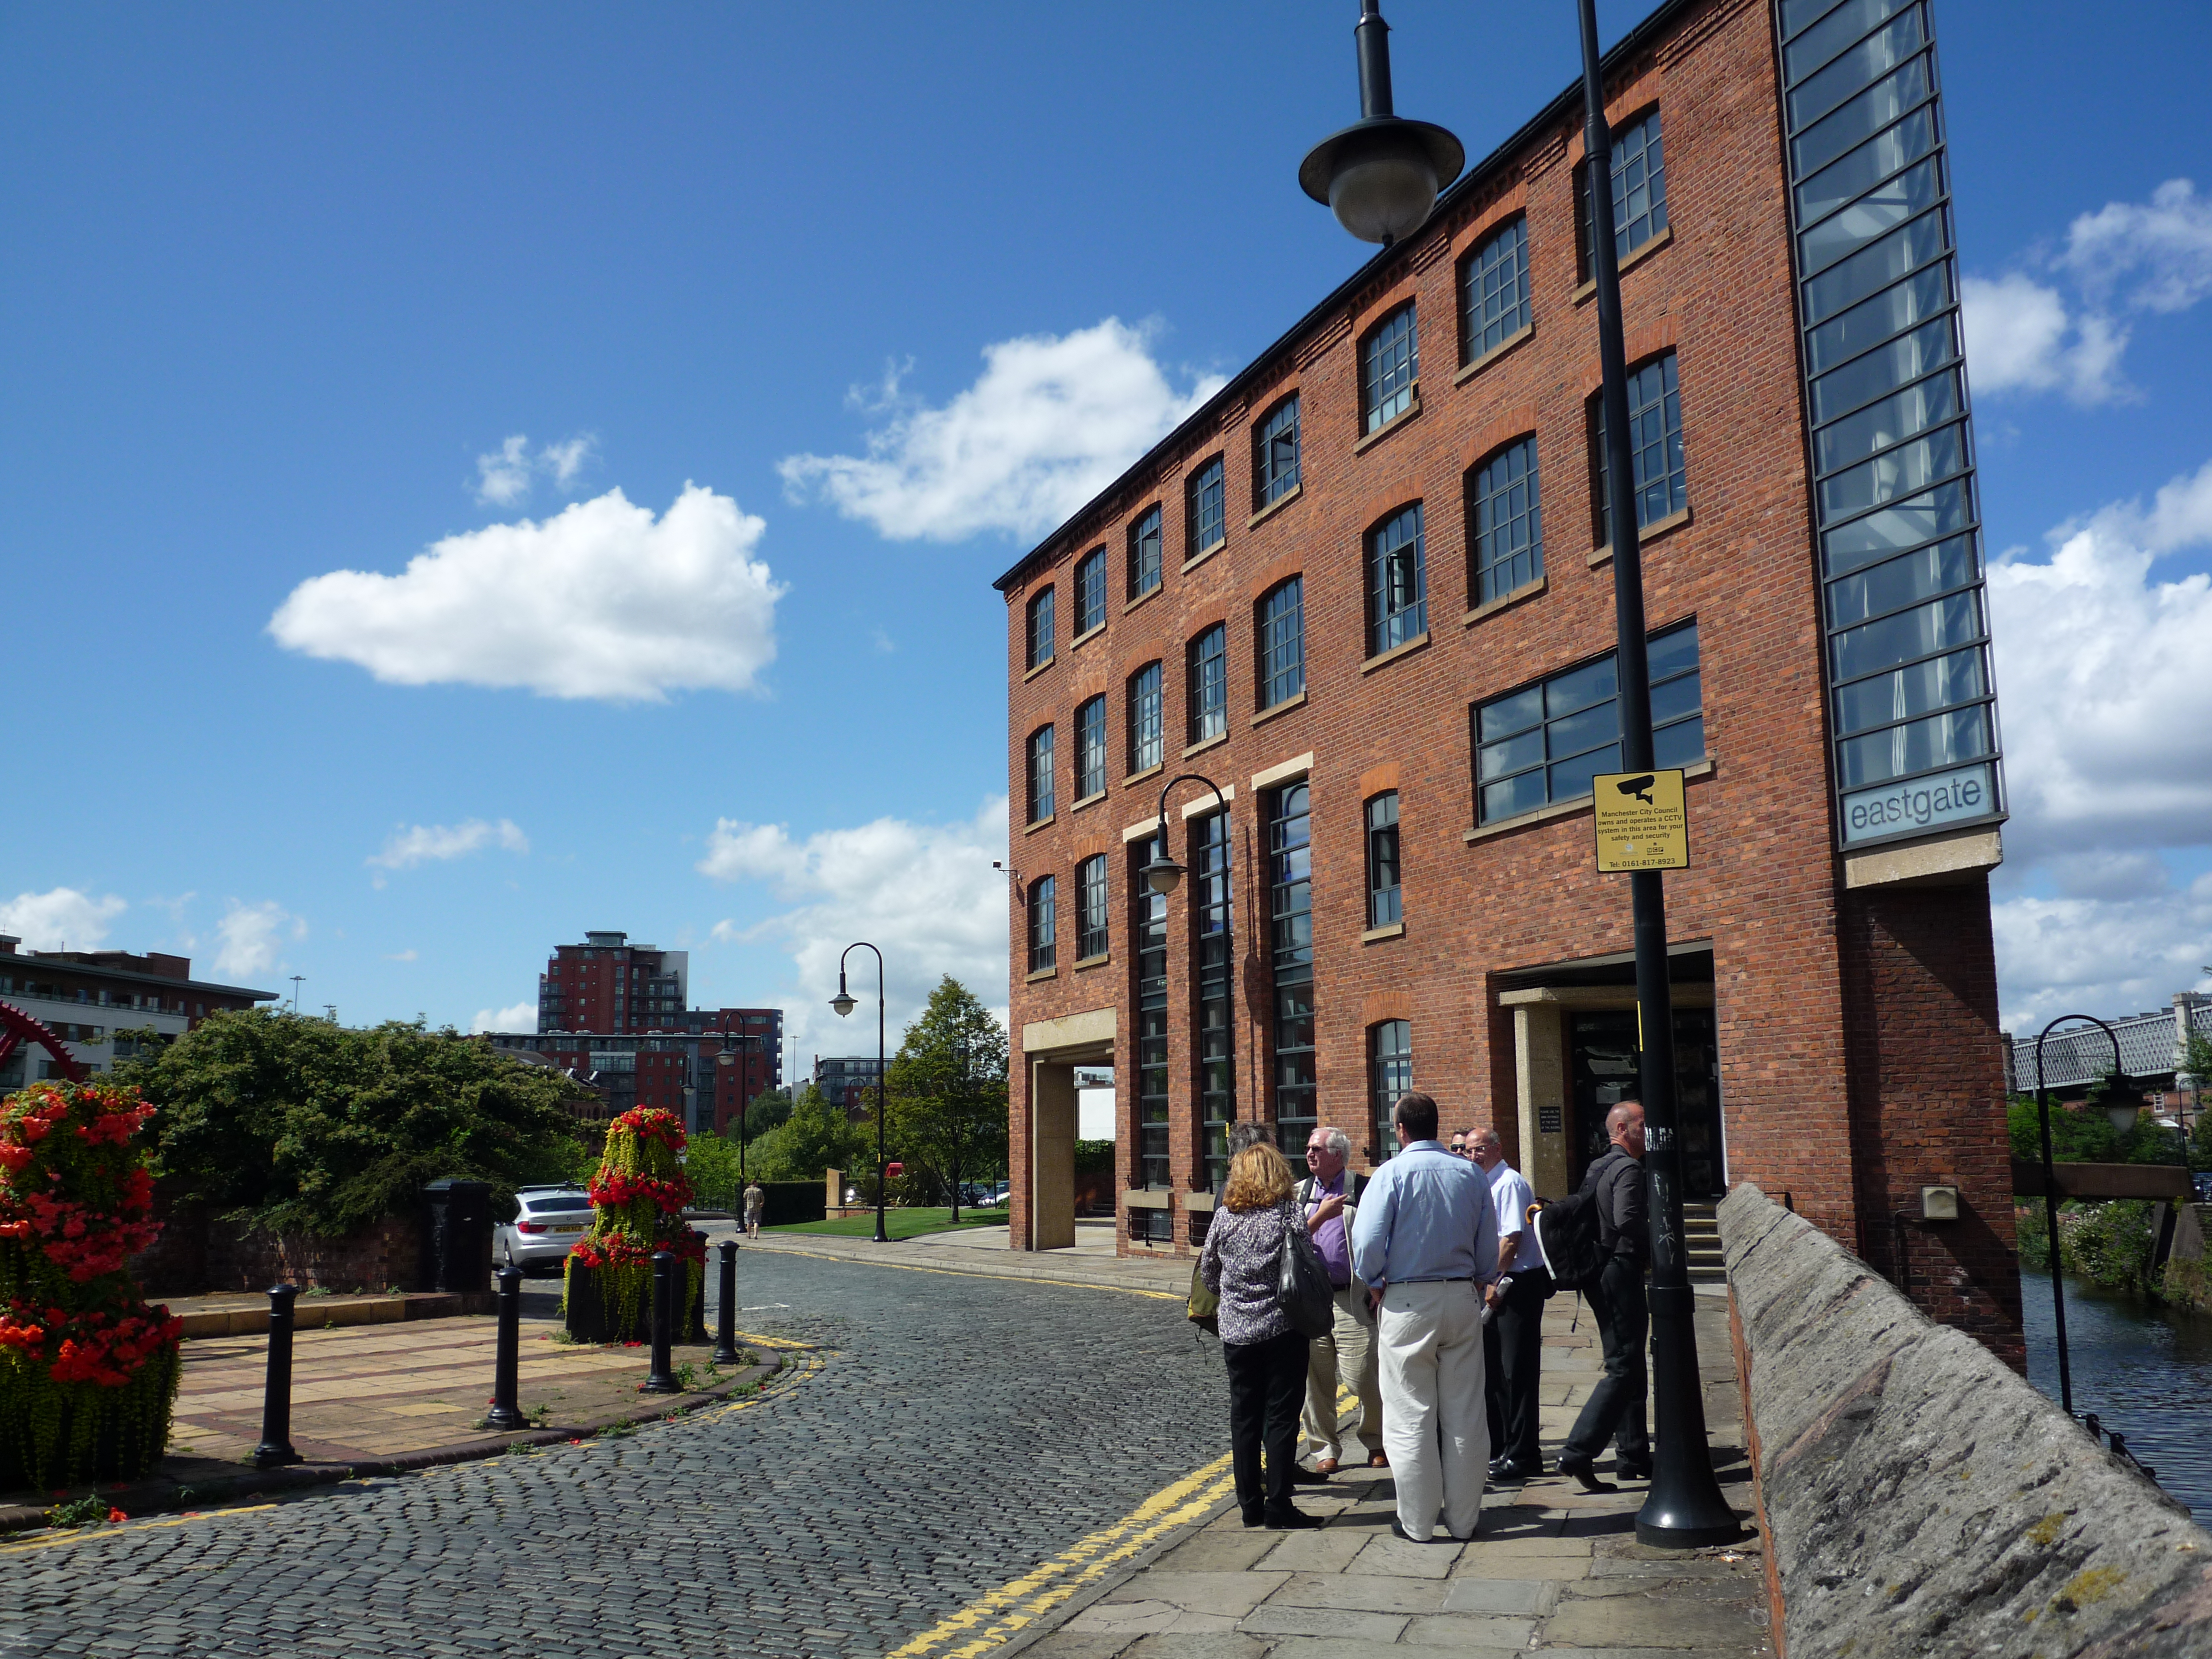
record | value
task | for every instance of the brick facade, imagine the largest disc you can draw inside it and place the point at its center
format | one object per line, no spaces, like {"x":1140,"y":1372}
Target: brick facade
{"x":1856,"y":1027}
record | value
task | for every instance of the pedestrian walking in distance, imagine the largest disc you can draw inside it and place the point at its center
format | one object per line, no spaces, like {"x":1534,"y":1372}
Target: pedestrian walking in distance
{"x":1426,"y":1239}
{"x":1615,"y":1406}
{"x":1242,"y":1264}
{"x":756,"y":1201}
{"x":1329,"y":1199}
{"x":1513,"y":1339}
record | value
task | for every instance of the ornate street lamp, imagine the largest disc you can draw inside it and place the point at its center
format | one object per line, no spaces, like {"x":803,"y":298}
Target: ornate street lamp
{"x":1379,"y":175}
{"x":2051,"y":1186}
{"x":844,"y":1004}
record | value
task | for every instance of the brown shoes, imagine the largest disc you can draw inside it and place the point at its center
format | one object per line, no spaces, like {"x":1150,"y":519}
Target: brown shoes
{"x":1325,"y":1466}
{"x":1380,"y":1461}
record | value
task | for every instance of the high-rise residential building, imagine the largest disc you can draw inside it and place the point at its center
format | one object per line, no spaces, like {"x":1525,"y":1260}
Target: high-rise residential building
{"x":848,"y":1081}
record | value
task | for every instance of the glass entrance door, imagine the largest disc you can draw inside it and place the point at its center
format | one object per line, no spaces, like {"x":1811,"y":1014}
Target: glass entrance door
{"x":1601,"y":1044}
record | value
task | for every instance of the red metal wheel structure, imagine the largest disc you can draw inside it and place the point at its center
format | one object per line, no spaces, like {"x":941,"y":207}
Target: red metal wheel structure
{"x":17,"y":1028}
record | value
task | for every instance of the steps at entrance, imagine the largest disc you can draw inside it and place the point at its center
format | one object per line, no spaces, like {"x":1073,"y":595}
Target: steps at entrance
{"x":1701,"y":1232}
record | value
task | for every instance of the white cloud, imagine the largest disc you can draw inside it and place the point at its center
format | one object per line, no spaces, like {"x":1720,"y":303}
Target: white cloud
{"x":2154,"y":256}
{"x":58,"y":917}
{"x":601,"y":601}
{"x":503,"y":477}
{"x":419,"y":843}
{"x":407,"y":955}
{"x":924,"y":894}
{"x":252,"y":939}
{"x":2101,"y":670}
{"x":1052,"y":420}
{"x":515,"y":1017}
{"x":2080,"y":952}
{"x":2020,"y":336}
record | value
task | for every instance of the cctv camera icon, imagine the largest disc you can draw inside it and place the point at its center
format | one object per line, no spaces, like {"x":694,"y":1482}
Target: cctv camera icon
{"x":1639,"y":788}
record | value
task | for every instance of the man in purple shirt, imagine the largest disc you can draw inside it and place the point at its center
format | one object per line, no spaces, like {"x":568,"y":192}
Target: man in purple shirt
{"x":1330,"y":1199}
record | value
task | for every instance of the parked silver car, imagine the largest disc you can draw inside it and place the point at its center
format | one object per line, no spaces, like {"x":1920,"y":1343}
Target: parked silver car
{"x":549,"y":1221}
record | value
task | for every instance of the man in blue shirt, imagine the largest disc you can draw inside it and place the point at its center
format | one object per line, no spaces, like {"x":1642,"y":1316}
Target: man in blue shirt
{"x":1425,"y":1239}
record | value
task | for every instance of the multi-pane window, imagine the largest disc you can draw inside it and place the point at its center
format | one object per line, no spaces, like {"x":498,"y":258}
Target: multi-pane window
{"x":1090,"y":590}
{"x":1383,"y":907}
{"x":1149,"y":925}
{"x":1397,"y":585}
{"x":1655,"y":440}
{"x":1043,"y":923}
{"x":1209,"y":684}
{"x":1388,"y":365}
{"x":1505,"y":519}
{"x":1290,"y":878}
{"x":1275,"y":454}
{"x":1543,"y":744}
{"x":1493,"y":291}
{"x":1145,"y":718}
{"x":1282,"y":638}
{"x":1389,"y":1075}
{"x":1210,"y":923}
{"x":1145,"y":554}
{"x":1091,"y":908}
{"x":1206,"y":513}
{"x":1639,"y":191}
{"x":1041,"y":629}
{"x":1090,"y":749}
{"x":1913,"y":714}
{"x":1041,"y":775}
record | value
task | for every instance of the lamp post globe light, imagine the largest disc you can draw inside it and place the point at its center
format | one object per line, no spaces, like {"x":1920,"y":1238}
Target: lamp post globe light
{"x":844,"y":1003}
{"x":1372,"y":184}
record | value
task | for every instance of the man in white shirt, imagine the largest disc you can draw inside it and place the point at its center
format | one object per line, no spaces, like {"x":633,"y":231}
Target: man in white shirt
{"x":1513,"y":1340}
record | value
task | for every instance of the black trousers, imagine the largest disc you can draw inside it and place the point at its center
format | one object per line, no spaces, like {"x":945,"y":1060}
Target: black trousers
{"x":1615,"y":1408}
{"x":1266,"y":1391}
{"x":1512,"y":1355}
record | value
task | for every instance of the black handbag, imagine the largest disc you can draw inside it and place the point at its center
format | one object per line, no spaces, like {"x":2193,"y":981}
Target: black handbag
{"x":1302,"y":1288}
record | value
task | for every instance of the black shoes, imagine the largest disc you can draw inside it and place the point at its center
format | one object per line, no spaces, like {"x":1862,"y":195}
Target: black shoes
{"x":1287,"y":1519}
{"x":1255,"y":1517}
{"x":1303,"y":1476}
{"x":1584,"y":1470}
{"x":1503,"y":1471}
{"x":1626,"y":1468}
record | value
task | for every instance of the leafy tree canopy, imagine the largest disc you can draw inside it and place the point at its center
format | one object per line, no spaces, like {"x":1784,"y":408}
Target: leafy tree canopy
{"x":816,"y":1137}
{"x":948,"y":1088}
{"x":300,"y":1125}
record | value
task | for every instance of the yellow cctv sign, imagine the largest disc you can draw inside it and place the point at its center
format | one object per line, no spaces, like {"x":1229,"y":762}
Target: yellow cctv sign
{"x":1643,"y":822}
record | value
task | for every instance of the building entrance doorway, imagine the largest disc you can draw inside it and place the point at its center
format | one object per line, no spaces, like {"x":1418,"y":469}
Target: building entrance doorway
{"x":1602,"y":1072}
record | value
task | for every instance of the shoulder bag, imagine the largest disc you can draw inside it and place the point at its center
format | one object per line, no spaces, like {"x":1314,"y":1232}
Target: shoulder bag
{"x":1302,"y":1288}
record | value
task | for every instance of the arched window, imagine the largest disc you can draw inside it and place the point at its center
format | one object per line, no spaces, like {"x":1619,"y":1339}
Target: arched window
{"x":1040,"y":801}
{"x":1207,"y":510}
{"x":1389,"y":1075}
{"x":1388,"y":365}
{"x":1144,"y":719}
{"x":1207,"y":695}
{"x":1275,"y":454}
{"x":1090,"y":749}
{"x":1505,"y":524}
{"x":1041,"y":629}
{"x":1043,"y":924}
{"x":1493,"y":290}
{"x":1383,"y":907}
{"x":1639,"y":191}
{"x":1090,"y":591}
{"x":1397,"y":582}
{"x":1091,"y":935}
{"x":1281,"y":636}
{"x":1655,"y":442}
{"x":1145,"y":554}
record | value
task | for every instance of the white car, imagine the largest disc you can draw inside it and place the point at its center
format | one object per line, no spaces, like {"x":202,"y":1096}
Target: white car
{"x":549,"y":1220}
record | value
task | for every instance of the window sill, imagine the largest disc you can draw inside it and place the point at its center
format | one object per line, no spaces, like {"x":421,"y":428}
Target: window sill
{"x":1152,"y":592}
{"x":1197,"y":1203}
{"x":1418,"y":642}
{"x":1144,"y":1198}
{"x":1276,"y":506}
{"x":1040,"y":823}
{"x":1151,"y":771}
{"x":1088,"y":800}
{"x":1394,"y":930}
{"x":1484,"y":361}
{"x":1503,"y":602}
{"x":1636,"y":258}
{"x":1038,"y":669}
{"x":1085,"y":638}
{"x":1564,"y":809}
{"x":1203,"y":744}
{"x":1089,"y":962}
{"x":1197,"y":559}
{"x":1282,"y":707}
{"x":1041,"y":974}
{"x":1651,"y":533}
{"x":1412,"y":412}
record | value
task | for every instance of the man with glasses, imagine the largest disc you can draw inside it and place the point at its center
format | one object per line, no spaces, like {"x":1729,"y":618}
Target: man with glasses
{"x":1330,"y":1198}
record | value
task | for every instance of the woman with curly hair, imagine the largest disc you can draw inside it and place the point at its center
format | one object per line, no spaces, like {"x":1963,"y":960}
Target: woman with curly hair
{"x":1266,"y":1360}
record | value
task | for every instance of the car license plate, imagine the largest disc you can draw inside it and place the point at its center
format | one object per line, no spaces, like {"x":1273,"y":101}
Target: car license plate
{"x":578,"y":1228}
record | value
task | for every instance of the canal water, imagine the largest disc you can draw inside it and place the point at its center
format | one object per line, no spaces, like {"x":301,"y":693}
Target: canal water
{"x":2146,"y":1370}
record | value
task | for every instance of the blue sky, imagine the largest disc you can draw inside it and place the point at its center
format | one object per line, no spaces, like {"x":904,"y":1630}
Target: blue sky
{"x":291,"y":292}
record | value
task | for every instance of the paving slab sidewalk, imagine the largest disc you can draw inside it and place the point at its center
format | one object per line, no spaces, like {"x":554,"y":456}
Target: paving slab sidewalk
{"x":1552,"y":1568}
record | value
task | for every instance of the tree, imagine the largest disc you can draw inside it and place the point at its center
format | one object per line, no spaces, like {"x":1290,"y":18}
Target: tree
{"x":299,"y":1126}
{"x":816,"y":1137}
{"x":948,"y":1089}
{"x":769,"y":1109}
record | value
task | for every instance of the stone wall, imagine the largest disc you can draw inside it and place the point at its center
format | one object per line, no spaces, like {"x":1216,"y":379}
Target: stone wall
{"x":1919,"y":1497}
{"x":198,"y":1254}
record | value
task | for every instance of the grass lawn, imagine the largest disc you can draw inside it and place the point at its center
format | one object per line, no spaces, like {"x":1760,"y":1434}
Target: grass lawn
{"x":899,"y":1223}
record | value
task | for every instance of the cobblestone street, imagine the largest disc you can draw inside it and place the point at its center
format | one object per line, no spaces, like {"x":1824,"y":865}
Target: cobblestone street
{"x":959,"y":1430}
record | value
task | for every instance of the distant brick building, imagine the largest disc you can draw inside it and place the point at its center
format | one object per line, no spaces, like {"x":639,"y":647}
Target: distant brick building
{"x":85,"y":997}
{"x":848,"y":1081}
{"x":1366,"y":590}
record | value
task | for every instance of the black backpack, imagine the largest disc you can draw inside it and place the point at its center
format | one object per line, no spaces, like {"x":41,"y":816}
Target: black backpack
{"x":1567,"y":1233}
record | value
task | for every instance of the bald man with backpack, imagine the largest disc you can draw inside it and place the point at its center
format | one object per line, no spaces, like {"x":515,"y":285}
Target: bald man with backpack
{"x":1612,"y":1277}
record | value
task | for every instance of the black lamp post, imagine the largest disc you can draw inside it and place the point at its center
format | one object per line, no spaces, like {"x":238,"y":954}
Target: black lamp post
{"x":2051,"y":1192}
{"x":729,"y":1040}
{"x":1380,"y":176}
{"x":1164,"y":875}
{"x":1684,"y":1509}
{"x":844,"y":1004}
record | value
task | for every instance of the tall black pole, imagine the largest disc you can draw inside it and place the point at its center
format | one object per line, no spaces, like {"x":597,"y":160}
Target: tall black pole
{"x":882,"y":1102}
{"x":1684,"y":1509}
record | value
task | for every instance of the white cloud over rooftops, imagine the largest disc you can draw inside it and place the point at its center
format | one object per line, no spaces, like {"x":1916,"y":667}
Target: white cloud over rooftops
{"x":59,"y":916}
{"x":422,"y":843}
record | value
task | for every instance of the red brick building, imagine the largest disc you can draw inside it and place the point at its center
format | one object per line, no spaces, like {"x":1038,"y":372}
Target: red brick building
{"x":1366,"y":592}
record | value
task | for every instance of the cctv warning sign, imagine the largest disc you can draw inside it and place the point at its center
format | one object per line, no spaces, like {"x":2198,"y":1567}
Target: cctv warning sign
{"x":1642,"y":821}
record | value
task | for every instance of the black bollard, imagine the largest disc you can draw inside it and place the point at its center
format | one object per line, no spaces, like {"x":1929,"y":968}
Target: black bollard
{"x":504,"y":1412}
{"x":726,"y":1323}
{"x":276,"y":1447}
{"x":662,"y":1379}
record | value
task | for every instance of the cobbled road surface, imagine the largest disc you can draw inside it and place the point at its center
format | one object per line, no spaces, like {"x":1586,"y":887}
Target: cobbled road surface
{"x":960,"y":1431}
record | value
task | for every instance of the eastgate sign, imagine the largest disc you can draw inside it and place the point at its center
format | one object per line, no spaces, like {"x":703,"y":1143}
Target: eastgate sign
{"x":1923,"y":803}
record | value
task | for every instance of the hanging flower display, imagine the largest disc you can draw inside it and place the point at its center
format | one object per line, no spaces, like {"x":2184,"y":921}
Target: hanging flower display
{"x":638,"y":1198}
{"x":88,"y":1371}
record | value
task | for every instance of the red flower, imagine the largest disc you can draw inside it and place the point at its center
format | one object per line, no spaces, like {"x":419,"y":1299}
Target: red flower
{"x":114,"y":1516}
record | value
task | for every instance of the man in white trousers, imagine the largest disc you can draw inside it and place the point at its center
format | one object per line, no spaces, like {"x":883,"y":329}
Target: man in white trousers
{"x":1425,"y":1239}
